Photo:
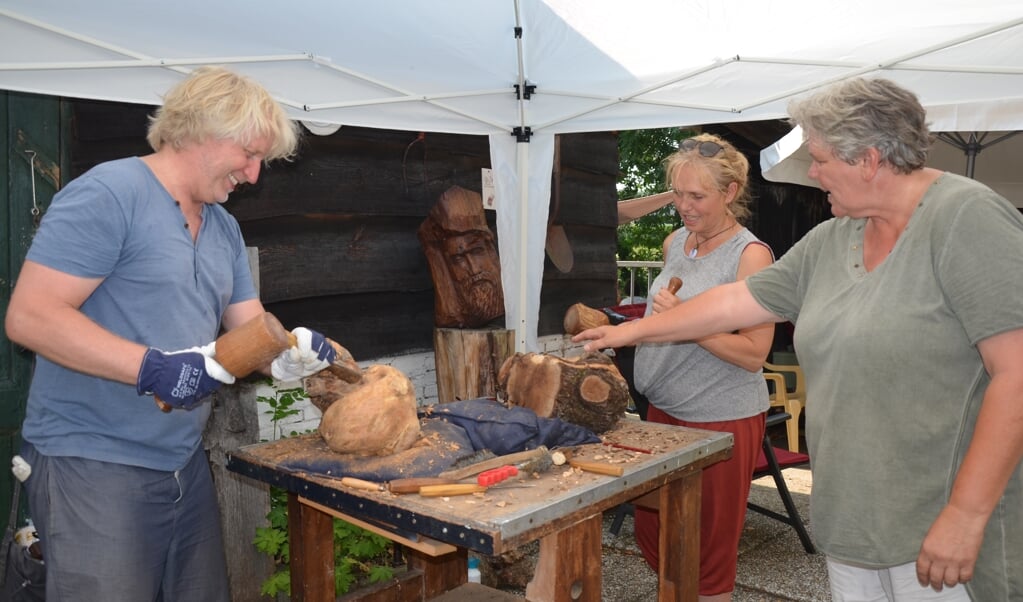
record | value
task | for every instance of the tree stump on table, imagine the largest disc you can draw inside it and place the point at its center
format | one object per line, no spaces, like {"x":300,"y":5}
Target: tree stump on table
{"x":587,"y":390}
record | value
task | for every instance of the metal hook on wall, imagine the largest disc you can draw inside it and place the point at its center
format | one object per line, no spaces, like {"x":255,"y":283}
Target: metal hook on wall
{"x":36,"y":213}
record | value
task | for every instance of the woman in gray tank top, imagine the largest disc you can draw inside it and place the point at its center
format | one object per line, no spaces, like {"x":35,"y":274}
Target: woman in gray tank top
{"x":713,"y":383}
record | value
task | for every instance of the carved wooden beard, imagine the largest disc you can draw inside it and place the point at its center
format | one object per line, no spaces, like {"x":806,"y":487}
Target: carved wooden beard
{"x":483,"y":296}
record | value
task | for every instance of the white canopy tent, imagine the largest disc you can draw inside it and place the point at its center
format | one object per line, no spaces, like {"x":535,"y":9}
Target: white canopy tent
{"x":522,"y":71}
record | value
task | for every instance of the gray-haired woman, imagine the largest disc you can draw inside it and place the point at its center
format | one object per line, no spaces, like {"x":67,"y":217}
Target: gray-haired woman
{"x":909,"y":327}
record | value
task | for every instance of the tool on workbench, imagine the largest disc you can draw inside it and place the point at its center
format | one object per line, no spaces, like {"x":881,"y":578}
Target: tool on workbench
{"x":453,"y":489}
{"x":256,"y":343}
{"x":413,"y":484}
{"x":612,"y":470}
{"x":628,"y":447}
{"x":567,"y":455}
{"x":487,"y":478}
{"x":362,"y":484}
{"x":532,"y":460}
{"x":496,"y":475}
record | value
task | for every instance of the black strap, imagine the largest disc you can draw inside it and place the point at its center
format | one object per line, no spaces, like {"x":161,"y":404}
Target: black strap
{"x":12,"y":523}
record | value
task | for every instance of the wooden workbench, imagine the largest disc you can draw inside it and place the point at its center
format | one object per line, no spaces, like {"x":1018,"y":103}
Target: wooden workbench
{"x":562,"y":507}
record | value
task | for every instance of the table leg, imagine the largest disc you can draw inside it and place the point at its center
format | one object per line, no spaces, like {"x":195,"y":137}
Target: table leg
{"x":568,"y":568}
{"x":311,"y":541}
{"x":440,"y":573}
{"x":679,"y":539}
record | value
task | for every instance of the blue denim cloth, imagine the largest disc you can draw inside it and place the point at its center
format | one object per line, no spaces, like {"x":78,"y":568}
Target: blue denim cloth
{"x":457,"y":430}
{"x":122,"y":533}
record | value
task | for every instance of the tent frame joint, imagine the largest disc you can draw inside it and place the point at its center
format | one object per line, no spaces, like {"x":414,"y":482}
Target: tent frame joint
{"x":522,"y":134}
{"x":529,"y":88}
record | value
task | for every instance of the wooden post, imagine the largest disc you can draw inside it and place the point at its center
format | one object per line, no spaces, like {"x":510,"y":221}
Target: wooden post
{"x":468,"y":361}
{"x":244,"y":503}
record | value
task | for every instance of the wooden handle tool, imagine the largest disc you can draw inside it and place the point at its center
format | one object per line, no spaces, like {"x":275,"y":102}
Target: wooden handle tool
{"x":514,"y":459}
{"x":611,"y":470}
{"x":254,"y":344}
{"x":450,"y":489}
{"x":361,"y":484}
{"x":413,"y":484}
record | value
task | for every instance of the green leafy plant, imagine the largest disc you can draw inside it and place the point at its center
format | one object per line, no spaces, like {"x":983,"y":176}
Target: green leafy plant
{"x":360,"y":557}
{"x":281,"y":402}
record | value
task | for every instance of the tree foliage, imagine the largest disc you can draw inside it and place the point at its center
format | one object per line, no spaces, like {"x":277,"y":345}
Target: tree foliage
{"x":641,"y":155}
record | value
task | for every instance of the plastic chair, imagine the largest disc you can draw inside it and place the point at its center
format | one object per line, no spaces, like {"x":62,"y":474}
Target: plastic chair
{"x":772,"y":461}
{"x":791,"y":400}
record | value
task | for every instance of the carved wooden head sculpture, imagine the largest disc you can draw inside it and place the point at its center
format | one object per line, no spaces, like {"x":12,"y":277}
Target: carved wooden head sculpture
{"x":462,"y":254}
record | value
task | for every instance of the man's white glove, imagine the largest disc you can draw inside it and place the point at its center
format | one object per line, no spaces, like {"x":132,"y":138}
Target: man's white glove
{"x":312,"y":352}
{"x":213,"y":367}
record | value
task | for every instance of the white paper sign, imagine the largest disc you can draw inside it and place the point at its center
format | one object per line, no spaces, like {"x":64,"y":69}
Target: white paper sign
{"x":489,"y":192}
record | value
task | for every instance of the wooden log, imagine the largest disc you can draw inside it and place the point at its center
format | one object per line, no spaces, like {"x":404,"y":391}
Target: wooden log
{"x":580,"y":317}
{"x":468,"y":361}
{"x":373,"y":417}
{"x":586,"y":390}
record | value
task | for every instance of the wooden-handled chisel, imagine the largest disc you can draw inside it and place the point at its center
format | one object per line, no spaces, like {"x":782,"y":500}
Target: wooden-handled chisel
{"x":450,"y":489}
{"x":611,"y":470}
{"x":361,"y":484}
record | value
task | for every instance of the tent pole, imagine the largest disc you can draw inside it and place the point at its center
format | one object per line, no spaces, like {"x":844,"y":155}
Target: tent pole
{"x":522,"y":158}
{"x":972,"y":148}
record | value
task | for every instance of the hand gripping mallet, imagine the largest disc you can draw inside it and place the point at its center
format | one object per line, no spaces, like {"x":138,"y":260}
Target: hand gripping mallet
{"x":254,"y":344}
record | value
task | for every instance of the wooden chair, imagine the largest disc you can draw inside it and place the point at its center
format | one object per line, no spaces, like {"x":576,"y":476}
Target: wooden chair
{"x":791,"y":400}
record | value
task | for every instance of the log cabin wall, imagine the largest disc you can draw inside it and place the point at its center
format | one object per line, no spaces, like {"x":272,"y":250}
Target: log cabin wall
{"x":336,"y":228}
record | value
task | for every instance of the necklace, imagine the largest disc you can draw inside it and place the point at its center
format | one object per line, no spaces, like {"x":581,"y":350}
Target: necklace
{"x":696,"y":249}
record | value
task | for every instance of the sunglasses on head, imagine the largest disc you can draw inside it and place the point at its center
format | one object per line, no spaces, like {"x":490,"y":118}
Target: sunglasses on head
{"x":706,"y":148}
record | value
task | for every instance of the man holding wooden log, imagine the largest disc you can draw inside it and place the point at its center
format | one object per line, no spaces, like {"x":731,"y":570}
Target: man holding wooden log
{"x":133,"y":258}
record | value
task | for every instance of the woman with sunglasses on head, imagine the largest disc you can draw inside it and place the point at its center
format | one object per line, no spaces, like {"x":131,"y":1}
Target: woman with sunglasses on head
{"x":909,"y":327}
{"x":712,"y":383}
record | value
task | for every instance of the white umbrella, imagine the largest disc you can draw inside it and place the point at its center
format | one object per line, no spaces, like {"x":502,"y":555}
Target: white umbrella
{"x":994,"y":158}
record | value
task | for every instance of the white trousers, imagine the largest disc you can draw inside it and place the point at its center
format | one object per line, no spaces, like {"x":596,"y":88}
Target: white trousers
{"x":895,"y":584}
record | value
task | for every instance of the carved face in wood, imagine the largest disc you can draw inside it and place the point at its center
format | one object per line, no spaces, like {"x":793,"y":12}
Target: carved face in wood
{"x":464,"y":262}
{"x":474,"y":266}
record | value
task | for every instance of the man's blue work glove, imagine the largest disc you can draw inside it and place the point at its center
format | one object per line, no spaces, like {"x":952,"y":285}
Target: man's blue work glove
{"x":312,"y":352}
{"x":181,"y":378}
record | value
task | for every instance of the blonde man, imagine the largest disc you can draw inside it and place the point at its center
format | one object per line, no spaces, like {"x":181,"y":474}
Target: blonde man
{"x":133,"y":272}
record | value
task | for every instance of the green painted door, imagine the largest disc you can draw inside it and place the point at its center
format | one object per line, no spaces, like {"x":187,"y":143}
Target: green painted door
{"x":31,"y":157}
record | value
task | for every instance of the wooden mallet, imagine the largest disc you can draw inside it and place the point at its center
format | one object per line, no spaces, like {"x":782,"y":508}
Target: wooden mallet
{"x":254,"y":344}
